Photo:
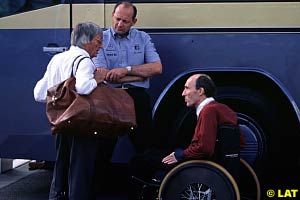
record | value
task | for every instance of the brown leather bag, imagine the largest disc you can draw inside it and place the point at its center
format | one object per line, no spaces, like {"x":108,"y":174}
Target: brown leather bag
{"x":106,"y":112}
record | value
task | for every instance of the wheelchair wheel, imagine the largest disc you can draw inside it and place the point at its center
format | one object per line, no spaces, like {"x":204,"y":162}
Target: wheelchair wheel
{"x":248,"y":182}
{"x":198,"y":180}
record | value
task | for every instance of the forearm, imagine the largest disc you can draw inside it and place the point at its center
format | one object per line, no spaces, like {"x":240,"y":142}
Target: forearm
{"x":147,"y":70}
{"x":137,"y":73}
{"x":127,"y":79}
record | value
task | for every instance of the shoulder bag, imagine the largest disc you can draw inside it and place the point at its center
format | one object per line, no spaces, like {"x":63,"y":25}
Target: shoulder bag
{"x":106,"y":112}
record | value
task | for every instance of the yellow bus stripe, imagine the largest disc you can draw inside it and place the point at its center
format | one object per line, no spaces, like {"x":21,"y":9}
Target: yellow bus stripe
{"x":167,"y":15}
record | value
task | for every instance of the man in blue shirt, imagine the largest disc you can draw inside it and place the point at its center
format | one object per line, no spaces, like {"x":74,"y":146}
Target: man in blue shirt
{"x":130,"y":59}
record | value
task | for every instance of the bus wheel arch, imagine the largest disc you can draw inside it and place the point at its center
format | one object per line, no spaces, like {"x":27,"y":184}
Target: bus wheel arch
{"x":261,"y":112}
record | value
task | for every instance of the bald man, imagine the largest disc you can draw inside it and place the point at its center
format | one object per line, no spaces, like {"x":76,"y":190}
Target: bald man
{"x":199,"y":92}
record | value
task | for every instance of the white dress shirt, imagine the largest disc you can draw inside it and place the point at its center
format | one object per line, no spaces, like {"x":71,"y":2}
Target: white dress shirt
{"x":202,"y":104}
{"x":59,"y":69}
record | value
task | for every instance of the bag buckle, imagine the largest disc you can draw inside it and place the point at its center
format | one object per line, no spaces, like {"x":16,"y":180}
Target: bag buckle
{"x":124,"y":86}
{"x":54,"y":98}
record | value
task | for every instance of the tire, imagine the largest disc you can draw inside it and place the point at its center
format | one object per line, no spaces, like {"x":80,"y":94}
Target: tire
{"x":212,"y":182}
{"x":250,"y":186}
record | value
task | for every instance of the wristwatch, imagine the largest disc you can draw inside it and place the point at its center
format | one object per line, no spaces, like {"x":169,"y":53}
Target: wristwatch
{"x":128,"y":69}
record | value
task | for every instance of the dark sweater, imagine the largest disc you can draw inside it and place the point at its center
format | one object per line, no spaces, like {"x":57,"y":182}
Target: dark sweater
{"x":204,"y":139}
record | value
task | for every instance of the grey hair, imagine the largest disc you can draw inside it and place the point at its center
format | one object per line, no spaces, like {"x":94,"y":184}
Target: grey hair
{"x":84,"y":33}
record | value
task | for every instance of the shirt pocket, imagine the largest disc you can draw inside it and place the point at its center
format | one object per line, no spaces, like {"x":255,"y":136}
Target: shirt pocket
{"x":111,"y":56}
{"x":137,"y":54}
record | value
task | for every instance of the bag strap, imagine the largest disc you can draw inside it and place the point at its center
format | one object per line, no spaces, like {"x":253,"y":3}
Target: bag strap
{"x":72,"y":72}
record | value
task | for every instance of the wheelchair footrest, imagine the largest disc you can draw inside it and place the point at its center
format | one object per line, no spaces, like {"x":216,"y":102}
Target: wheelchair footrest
{"x":152,"y":183}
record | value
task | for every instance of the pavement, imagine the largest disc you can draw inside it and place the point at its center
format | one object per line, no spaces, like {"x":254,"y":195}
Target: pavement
{"x":20,"y":183}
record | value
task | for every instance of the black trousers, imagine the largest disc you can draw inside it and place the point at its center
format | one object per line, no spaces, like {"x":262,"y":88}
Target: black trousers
{"x":144,"y":167}
{"x":59,"y":184}
{"x":78,"y":167}
{"x":89,"y":158}
{"x":143,"y":137}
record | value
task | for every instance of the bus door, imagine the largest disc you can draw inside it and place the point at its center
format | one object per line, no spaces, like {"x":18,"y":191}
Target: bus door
{"x":31,"y":32}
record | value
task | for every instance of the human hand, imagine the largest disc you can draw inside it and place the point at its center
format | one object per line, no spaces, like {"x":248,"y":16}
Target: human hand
{"x":115,"y":74}
{"x":170,"y":159}
{"x":100,"y":74}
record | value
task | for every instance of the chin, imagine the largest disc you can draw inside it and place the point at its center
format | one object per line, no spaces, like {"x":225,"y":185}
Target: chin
{"x":118,"y":31}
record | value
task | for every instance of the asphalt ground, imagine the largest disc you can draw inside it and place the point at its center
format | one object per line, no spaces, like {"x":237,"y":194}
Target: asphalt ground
{"x":23,"y":184}
{"x":20,"y":183}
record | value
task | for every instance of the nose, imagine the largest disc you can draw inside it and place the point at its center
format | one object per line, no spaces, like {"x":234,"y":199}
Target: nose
{"x":100,"y":46}
{"x":121,"y":23}
{"x":183,"y":93}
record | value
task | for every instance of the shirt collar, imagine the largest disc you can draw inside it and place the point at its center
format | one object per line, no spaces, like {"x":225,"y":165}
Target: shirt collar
{"x":117,"y":36}
{"x":82,"y":51}
{"x":202,"y":104}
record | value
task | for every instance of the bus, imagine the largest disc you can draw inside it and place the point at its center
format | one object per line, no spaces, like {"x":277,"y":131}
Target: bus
{"x":250,"y":48}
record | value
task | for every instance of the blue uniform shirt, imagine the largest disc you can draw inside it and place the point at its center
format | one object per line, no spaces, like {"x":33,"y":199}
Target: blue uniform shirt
{"x":134,"y":49}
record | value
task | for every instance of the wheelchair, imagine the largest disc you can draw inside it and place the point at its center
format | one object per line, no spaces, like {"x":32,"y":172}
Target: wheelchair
{"x":225,"y":177}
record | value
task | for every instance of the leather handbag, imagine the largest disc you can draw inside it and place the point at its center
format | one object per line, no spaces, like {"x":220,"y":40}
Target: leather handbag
{"x":106,"y":112}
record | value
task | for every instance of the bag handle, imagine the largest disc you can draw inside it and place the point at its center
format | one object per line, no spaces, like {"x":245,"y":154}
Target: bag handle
{"x":72,"y":72}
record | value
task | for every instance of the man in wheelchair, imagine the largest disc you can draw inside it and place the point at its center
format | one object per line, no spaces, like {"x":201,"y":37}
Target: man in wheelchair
{"x":199,"y":92}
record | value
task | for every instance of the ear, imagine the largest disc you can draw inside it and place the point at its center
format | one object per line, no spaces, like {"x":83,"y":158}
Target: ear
{"x":134,"y":21}
{"x":201,"y":91}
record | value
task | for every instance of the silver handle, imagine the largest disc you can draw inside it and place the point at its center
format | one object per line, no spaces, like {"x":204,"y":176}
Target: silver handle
{"x":54,"y":50}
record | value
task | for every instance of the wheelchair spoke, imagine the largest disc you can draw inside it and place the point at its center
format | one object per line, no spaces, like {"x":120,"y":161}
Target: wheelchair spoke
{"x":197,"y":191}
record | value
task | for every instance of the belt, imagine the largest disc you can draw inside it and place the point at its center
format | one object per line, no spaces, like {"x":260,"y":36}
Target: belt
{"x":128,"y":86}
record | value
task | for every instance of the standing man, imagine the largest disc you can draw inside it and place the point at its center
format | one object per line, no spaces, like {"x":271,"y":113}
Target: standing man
{"x":130,"y":59}
{"x":75,"y":164}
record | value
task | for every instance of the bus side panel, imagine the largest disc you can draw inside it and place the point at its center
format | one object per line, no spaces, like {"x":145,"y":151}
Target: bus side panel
{"x":23,"y":63}
{"x":275,"y":53}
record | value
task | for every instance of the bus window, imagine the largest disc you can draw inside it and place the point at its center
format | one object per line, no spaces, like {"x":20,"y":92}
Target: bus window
{"x":9,"y":7}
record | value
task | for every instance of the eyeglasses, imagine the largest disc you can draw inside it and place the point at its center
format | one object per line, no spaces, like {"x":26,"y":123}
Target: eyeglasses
{"x":98,"y":41}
